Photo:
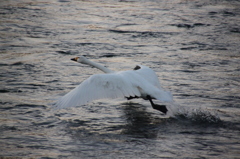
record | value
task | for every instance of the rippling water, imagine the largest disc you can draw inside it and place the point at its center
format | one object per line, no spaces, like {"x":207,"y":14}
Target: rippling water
{"x":192,"y":45}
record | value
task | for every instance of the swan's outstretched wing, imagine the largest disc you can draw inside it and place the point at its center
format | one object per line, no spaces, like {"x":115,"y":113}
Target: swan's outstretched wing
{"x":149,"y":75}
{"x":153,"y":82}
{"x":116,"y":85}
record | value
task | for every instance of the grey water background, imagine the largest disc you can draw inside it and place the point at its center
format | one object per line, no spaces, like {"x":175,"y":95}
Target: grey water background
{"x":193,"y":46}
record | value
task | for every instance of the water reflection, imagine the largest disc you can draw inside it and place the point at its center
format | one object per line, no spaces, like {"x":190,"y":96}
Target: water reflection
{"x":135,"y":121}
{"x":139,"y":122}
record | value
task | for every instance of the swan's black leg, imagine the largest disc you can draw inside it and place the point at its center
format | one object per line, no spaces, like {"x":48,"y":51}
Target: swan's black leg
{"x":161,"y":108}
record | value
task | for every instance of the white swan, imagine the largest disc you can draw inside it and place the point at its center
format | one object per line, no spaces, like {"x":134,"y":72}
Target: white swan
{"x":140,"y":82}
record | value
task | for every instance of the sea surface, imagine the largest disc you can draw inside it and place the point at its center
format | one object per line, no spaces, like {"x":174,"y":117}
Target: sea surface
{"x":192,"y":45}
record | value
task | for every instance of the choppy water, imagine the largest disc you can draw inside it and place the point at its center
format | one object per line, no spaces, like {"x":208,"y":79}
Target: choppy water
{"x":192,"y":45}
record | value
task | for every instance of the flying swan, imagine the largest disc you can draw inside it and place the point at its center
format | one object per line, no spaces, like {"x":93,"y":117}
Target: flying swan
{"x":142,"y":82}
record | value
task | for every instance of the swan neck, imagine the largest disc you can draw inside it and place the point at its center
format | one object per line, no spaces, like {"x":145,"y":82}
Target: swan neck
{"x":98,"y":66}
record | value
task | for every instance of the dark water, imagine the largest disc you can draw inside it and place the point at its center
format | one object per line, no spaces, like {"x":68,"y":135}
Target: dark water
{"x":192,"y":45}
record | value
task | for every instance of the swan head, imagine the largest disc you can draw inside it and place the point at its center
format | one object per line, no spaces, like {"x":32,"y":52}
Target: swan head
{"x":80,"y":59}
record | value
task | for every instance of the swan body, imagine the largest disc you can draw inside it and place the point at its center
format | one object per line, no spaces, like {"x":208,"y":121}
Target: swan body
{"x":141,"y":82}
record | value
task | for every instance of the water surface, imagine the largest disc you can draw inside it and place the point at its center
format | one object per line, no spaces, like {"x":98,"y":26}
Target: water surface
{"x":193,"y":46}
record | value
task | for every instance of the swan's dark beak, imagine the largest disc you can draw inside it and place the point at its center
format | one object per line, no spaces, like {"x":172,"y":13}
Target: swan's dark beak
{"x":75,"y":59}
